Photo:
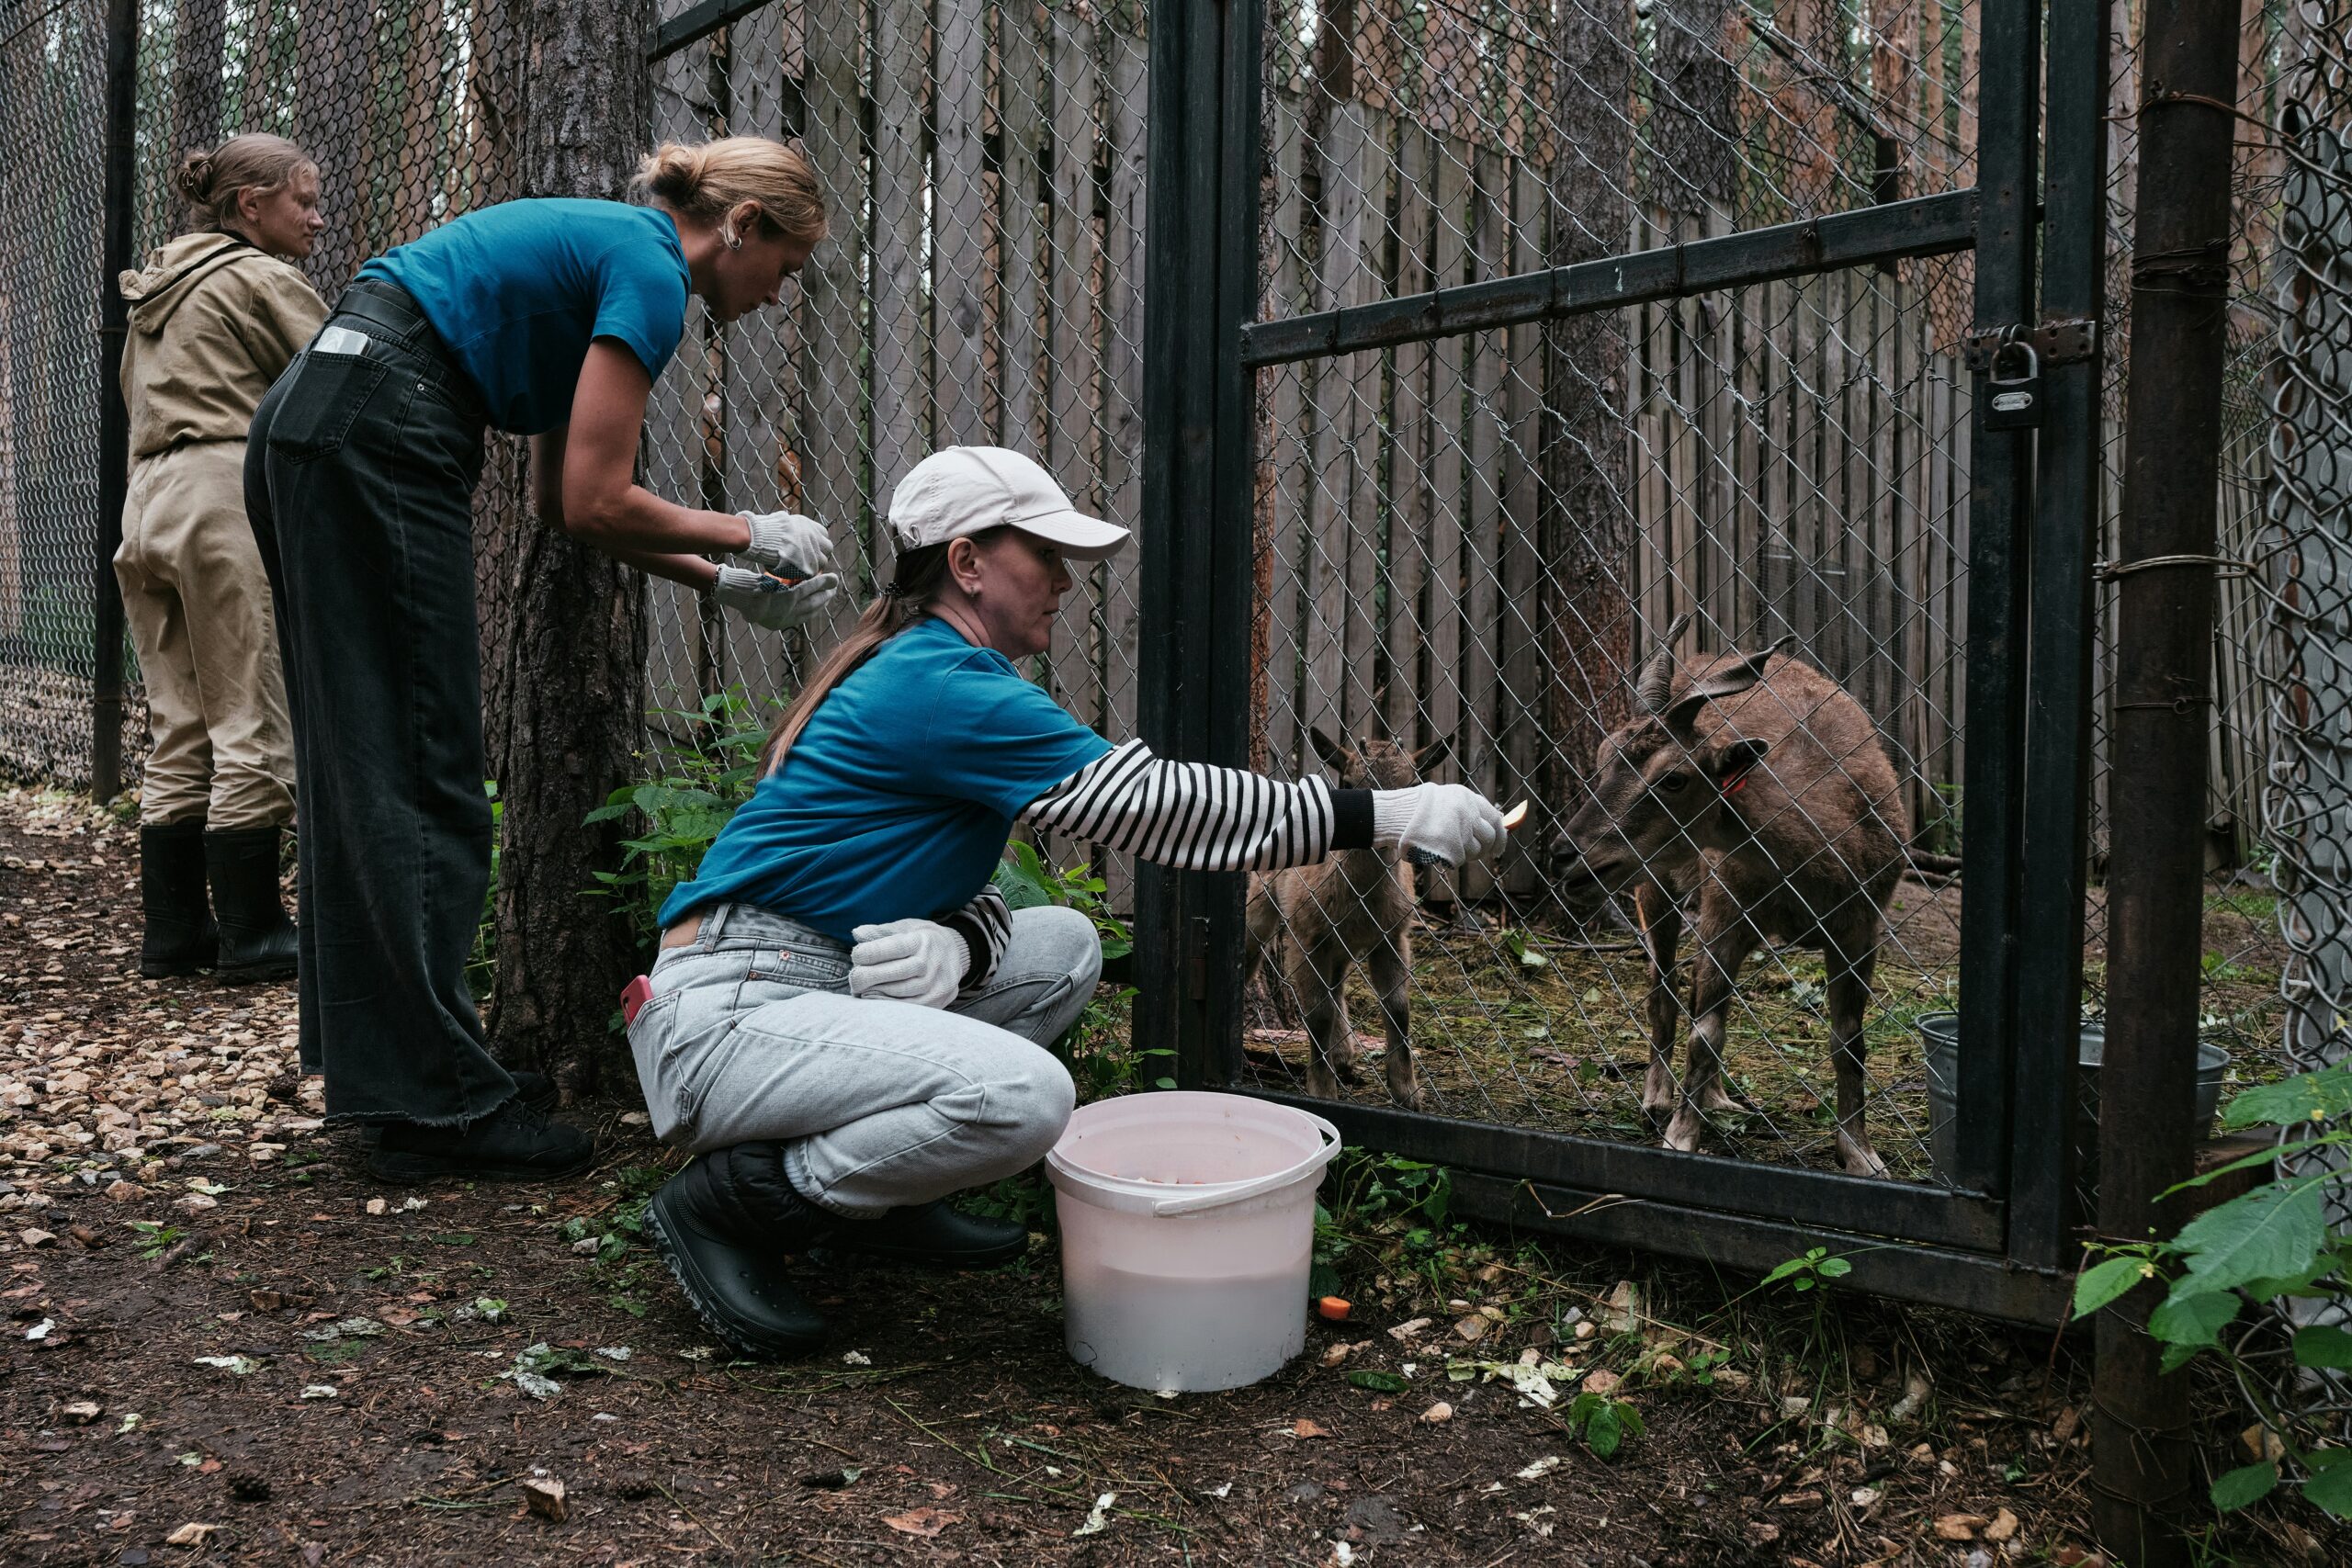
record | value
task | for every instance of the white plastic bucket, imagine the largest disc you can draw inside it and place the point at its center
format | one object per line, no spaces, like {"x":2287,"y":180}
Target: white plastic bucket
{"x":1188,"y":1229}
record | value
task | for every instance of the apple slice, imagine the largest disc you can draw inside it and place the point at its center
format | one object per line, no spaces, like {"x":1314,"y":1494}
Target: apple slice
{"x":1514,"y":816}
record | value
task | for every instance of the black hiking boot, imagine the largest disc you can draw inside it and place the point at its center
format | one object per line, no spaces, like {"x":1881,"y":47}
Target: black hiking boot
{"x":257,"y":938}
{"x":723,"y":1225}
{"x":514,"y":1142}
{"x":930,"y":1236}
{"x":180,"y":938}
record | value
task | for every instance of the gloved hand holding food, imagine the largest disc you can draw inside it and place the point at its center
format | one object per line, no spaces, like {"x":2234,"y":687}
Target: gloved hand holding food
{"x":785,"y":543}
{"x":1438,"y":823}
{"x":769,"y":601}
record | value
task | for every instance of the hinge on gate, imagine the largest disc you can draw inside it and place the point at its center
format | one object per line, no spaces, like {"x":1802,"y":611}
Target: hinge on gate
{"x":1197,"y":980}
{"x":2061,"y":340}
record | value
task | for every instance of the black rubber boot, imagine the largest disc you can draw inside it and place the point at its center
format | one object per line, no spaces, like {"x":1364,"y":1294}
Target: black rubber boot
{"x":257,"y":938}
{"x":723,"y":1225}
{"x":930,"y":1236}
{"x":512,"y":1143}
{"x":180,"y":938}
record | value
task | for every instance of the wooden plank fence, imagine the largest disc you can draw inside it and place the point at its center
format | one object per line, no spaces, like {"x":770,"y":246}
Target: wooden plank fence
{"x":1796,"y":454}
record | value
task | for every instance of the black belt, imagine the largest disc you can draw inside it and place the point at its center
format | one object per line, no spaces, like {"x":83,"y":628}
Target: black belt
{"x":393,"y":322}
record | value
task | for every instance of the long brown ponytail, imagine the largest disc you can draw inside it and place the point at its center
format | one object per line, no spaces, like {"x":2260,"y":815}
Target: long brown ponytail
{"x":907,"y":600}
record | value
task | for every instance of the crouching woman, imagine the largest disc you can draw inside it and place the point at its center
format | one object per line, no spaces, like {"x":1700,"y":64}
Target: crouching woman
{"x":846,"y":1021}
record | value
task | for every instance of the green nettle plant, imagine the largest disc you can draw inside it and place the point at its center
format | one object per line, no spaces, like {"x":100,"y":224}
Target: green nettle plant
{"x":2270,"y":1245}
{"x":706,"y":772}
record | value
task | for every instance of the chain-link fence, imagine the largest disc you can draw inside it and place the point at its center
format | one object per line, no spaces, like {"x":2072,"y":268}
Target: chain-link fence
{"x":1475,"y":543}
{"x":52,"y":75}
{"x":2298,"y":562}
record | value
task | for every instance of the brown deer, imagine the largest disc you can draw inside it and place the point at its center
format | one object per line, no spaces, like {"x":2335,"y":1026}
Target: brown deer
{"x":1755,"y":781}
{"x":1318,"y":922}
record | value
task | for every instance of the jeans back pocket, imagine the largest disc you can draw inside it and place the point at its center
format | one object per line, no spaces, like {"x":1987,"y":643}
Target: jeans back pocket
{"x":329,"y":393}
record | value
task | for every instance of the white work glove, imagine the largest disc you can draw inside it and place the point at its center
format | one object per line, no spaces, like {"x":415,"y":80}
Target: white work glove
{"x":909,"y":960}
{"x":1437,"y":824}
{"x":771,"y":601}
{"x":785,"y":543}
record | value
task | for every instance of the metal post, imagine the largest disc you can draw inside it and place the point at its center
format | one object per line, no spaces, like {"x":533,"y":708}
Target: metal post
{"x":2143,"y":1473}
{"x":2043,"y":1203}
{"x":1200,"y":288}
{"x":114,"y":419}
{"x":1999,"y":504}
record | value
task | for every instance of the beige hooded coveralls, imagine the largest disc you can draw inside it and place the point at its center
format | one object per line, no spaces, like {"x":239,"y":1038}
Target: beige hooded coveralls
{"x":213,"y":322}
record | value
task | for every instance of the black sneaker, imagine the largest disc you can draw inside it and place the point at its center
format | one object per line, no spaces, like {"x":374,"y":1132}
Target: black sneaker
{"x":723,"y":1226}
{"x":512,"y":1143}
{"x":930,"y":1236}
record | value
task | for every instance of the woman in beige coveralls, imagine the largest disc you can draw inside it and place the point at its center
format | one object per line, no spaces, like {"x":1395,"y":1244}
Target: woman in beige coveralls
{"x":215,"y":316}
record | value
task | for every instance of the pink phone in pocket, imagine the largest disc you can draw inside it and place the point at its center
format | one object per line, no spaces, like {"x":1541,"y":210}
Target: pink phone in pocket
{"x":635,"y":995}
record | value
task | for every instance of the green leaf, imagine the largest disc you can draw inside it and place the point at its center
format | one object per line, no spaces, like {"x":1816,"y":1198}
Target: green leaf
{"x":2272,"y":1230}
{"x":2240,"y":1487}
{"x":2195,"y":1319}
{"x":2324,"y":1345}
{"x":1385,"y":1382}
{"x":2331,"y":1489}
{"x":2313,"y":1096}
{"x":1834,"y":1269}
{"x":1604,"y":1431}
{"x":2106,"y":1282}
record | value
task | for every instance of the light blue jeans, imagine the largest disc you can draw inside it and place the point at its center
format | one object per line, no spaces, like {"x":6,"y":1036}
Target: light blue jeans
{"x":752,"y":1035}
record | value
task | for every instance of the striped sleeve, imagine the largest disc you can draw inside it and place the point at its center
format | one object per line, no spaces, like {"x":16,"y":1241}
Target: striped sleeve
{"x":986,"y":926}
{"x":1197,"y":817}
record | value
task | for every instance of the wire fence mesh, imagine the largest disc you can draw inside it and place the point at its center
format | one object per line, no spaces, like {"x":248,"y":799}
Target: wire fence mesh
{"x":1467,"y":545}
{"x":2299,"y":571}
{"x":1472,"y":544}
{"x":53,"y":73}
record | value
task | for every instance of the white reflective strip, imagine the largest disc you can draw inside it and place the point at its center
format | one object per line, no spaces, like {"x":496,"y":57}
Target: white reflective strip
{"x":339,"y":340}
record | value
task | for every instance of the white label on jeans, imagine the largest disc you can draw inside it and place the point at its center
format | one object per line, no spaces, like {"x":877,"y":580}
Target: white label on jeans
{"x":340,"y":340}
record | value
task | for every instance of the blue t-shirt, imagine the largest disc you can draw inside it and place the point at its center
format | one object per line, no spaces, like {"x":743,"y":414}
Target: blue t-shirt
{"x":898,"y":797}
{"x":517,"y":290}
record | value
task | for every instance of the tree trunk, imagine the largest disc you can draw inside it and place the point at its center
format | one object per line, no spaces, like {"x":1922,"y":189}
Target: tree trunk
{"x":1693,"y":128}
{"x":565,"y":644}
{"x":1586,"y":515}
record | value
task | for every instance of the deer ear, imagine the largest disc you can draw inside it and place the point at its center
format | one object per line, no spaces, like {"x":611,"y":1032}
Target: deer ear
{"x":1327,"y":748}
{"x":1431,"y":755}
{"x":1733,"y":762}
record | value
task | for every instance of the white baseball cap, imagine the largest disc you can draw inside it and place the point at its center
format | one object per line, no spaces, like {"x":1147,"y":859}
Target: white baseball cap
{"x":968,"y":490}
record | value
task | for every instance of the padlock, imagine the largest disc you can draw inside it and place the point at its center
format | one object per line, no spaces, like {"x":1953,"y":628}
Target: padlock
{"x":2014,"y":401}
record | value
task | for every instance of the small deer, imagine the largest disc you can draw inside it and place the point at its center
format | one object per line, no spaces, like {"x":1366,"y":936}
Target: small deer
{"x":1317,"y":921}
{"x":1803,"y":848}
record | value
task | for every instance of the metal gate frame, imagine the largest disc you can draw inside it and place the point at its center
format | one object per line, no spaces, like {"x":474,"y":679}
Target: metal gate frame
{"x":2001,"y":1242}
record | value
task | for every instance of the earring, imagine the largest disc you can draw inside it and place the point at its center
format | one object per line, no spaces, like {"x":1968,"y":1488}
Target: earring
{"x":734,"y":241}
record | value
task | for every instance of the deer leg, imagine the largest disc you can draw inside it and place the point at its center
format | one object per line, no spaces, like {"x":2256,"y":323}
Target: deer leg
{"x":1661,"y":922}
{"x":1331,"y":1056}
{"x":1722,"y":948}
{"x":1391,"y":963}
{"x":1849,"y":997}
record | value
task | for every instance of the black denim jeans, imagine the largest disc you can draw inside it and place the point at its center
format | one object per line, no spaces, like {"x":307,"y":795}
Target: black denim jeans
{"x":360,"y":478}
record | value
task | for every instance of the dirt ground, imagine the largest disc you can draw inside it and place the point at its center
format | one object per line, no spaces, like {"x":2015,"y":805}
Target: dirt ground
{"x":222,"y":1343}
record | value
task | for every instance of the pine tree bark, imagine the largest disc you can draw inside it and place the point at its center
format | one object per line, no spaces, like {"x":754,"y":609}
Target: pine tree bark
{"x":1587,"y":516}
{"x":564,"y":646}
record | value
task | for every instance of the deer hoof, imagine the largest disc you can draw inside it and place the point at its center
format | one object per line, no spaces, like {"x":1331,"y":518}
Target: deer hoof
{"x":1716,"y":1099}
{"x":1658,"y":1091}
{"x":1682,"y":1133}
{"x":1861,"y":1159}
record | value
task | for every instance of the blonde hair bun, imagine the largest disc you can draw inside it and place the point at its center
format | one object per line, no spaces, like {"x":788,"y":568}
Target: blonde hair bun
{"x":211,"y":181}
{"x":704,"y":183}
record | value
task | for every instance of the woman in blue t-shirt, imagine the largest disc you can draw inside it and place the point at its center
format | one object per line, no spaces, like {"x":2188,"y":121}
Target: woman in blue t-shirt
{"x":546,"y":319}
{"x":846,"y":1021}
